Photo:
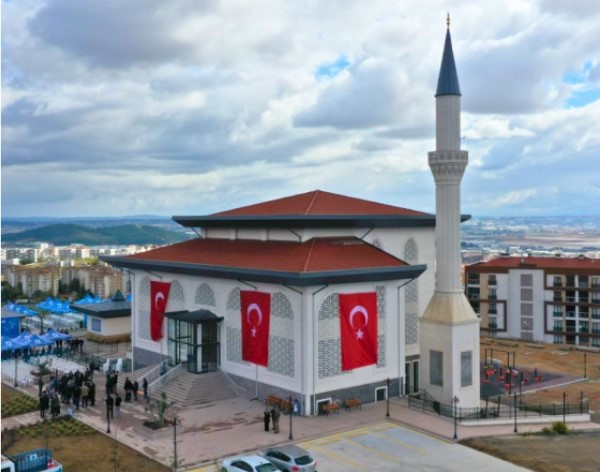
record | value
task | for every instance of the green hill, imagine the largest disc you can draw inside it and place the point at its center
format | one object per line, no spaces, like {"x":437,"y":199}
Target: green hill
{"x":65,"y":234}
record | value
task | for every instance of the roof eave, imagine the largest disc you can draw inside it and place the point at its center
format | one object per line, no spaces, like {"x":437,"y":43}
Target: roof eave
{"x":303,"y":279}
{"x":307,"y":221}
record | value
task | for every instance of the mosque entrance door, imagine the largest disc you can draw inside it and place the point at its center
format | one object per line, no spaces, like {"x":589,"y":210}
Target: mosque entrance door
{"x":194,"y":340}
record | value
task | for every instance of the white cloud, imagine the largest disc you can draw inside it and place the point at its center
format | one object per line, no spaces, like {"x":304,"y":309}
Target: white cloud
{"x":193,"y":107}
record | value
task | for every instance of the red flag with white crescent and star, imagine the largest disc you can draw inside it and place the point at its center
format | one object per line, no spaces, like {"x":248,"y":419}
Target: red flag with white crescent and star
{"x":255,"y":309}
{"x":159,"y":295}
{"x":358,"y":326}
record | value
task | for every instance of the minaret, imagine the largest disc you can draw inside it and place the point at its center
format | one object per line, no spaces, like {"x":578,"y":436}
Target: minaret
{"x":449,"y":328}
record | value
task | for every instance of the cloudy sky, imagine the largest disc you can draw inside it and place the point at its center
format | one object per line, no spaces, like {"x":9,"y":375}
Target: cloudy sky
{"x":114,"y":108}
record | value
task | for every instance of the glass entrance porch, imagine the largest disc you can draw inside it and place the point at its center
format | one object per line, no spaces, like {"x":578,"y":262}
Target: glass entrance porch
{"x":194,"y":340}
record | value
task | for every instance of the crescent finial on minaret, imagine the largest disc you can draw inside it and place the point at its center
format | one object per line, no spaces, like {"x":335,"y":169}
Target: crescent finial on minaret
{"x":448,"y":20}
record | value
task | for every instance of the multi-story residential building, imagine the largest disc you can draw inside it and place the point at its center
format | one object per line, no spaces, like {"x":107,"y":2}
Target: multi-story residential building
{"x":33,"y":278}
{"x":549,"y":299}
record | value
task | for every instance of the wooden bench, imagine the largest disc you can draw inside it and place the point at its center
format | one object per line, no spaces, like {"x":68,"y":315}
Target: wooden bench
{"x":282,"y":403}
{"x":352,"y":403}
{"x":330,"y":407}
{"x":274,"y":400}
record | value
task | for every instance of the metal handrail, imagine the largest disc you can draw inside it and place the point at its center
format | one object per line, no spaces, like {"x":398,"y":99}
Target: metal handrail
{"x":163,"y":379}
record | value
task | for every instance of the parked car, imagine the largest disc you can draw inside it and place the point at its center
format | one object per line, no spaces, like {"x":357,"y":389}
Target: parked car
{"x":246,"y":464}
{"x":290,"y":458}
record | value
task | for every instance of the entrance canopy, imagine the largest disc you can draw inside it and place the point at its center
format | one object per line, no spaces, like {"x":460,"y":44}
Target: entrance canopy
{"x":195,"y":317}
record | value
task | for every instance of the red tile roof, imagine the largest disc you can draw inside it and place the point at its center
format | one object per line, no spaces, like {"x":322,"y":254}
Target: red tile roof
{"x":315,"y":255}
{"x":541,"y":263}
{"x":318,"y":202}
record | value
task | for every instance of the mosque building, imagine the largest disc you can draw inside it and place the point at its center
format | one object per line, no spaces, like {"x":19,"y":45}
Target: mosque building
{"x":318,"y":295}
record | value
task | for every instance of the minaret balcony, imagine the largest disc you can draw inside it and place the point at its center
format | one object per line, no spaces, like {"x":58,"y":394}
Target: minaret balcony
{"x":448,"y":166}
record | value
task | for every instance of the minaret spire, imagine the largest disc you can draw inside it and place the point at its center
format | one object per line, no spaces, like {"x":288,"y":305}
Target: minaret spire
{"x":449,"y":328}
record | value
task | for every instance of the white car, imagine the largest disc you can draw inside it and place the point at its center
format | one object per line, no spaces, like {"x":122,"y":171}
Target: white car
{"x":246,"y":464}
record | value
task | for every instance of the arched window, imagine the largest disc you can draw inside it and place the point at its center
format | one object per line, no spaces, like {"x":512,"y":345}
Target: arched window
{"x":205,"y":296}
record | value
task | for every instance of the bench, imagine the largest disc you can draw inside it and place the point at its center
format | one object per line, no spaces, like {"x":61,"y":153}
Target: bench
{"x":330,"y":407}
{"x":352,"y":403}
{"x":282,"y":403}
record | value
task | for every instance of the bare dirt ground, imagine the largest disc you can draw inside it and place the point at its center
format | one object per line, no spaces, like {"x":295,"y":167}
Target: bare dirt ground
{"x":560,"y":453}
{"x":551,"y":453}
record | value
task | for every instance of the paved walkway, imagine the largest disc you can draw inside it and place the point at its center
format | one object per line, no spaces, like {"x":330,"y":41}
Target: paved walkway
{"x":214,"y":430}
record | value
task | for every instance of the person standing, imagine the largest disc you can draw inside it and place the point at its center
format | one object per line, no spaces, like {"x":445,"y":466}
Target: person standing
{"x":40,"y":383}
{"x":85,"y":392}
{"x":275,"y":414}
{"x":92,"y":394}
{"x":44,"y":403}
{"x":55,"y":406}
{"x":76,"y":396}
{"x":145,"y":387}
{"x":267,"y":419}
{"x":118,"y":404}
{"x":109,"y":407}
{"x":128,"y":388}
{"x":136,"y":387}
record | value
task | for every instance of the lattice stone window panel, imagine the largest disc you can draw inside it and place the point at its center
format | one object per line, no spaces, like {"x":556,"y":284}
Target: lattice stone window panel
{"x":205,"y":296}
{"x":233,"y":328}
{"x":329,"y":346}
{"x":411,"y":297}
{"x":281,"y":337}
{"x":143,"y":305}
{"x":381,"y":344}
{"x":176,"y":297}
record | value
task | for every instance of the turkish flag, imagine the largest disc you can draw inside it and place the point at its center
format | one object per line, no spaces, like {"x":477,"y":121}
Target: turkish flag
{"x":159,"y":294}
{"x":358,"y":326}
{"x":256,"y":315}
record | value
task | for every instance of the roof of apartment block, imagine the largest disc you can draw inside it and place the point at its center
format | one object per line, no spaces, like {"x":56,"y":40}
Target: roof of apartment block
{"x":544,"y":263}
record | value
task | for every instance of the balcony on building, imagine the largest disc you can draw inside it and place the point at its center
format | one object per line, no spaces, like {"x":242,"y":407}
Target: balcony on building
{"x":473,"y":279}
{"x":492,"y":280}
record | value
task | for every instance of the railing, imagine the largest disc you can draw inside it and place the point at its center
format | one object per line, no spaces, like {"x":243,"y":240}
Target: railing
{"x":492,"y":282}
{"x":495,"y":408}
{"x":557,"y":284}
{"x":557,"y":329}
{"x":164,"y":378}
{"x":492,"y":326}
{"x":492,"y":296}
{"x":596,"y":316}
{"x":557,"y":313}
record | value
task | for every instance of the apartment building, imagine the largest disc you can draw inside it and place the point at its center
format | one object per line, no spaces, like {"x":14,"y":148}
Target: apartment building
{"x":33,"y":278}
{"x":548,"y":299}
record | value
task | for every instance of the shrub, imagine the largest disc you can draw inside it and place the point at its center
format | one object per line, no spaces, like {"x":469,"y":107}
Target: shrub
{"x":560,"y":427}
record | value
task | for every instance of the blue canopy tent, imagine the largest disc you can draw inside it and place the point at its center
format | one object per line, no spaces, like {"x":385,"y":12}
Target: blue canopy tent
{"x":39,"y":341}
{"x":53,"y":335}
{"x":12,"y":345}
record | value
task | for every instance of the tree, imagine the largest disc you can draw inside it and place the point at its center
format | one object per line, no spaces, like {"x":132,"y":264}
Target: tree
{"x":158,"y":409}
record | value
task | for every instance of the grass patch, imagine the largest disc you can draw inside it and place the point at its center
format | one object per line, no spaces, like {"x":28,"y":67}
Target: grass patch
{"x":78,"y":447}
{"x":16,"y":403}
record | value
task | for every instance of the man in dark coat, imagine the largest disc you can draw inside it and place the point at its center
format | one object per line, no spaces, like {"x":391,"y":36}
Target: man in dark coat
{"x":44,"y":403}
{"x":110,"y":403}
{"x":145,"y":387}
{"x":92,"y":394}
{"x":267,"y":419}
{"x":128,"y":389}
{"x":136,"y":387}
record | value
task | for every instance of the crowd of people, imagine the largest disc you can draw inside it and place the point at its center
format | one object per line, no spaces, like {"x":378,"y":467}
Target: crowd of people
{"x":77,"y":389}
{"x":74,"y":389}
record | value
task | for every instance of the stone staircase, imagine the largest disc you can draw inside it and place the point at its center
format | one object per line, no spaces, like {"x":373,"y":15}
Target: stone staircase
{"x":189,"y":389}
{"x":135,"y":375}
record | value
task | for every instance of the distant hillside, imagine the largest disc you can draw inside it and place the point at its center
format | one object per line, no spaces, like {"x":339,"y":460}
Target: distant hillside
{"x":65,"y":234}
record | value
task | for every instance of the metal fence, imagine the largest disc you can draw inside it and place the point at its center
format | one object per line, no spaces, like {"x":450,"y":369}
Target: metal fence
{"x":496,"y":408}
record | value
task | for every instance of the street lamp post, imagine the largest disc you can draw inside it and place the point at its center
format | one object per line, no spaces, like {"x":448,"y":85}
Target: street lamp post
{"x":16,"y":361}
{"x":515,"y":411}
{"x":107,"y":418}
{"x":387,"y":413}
{"x":291,"y":436}
{"x":455,"y":401}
